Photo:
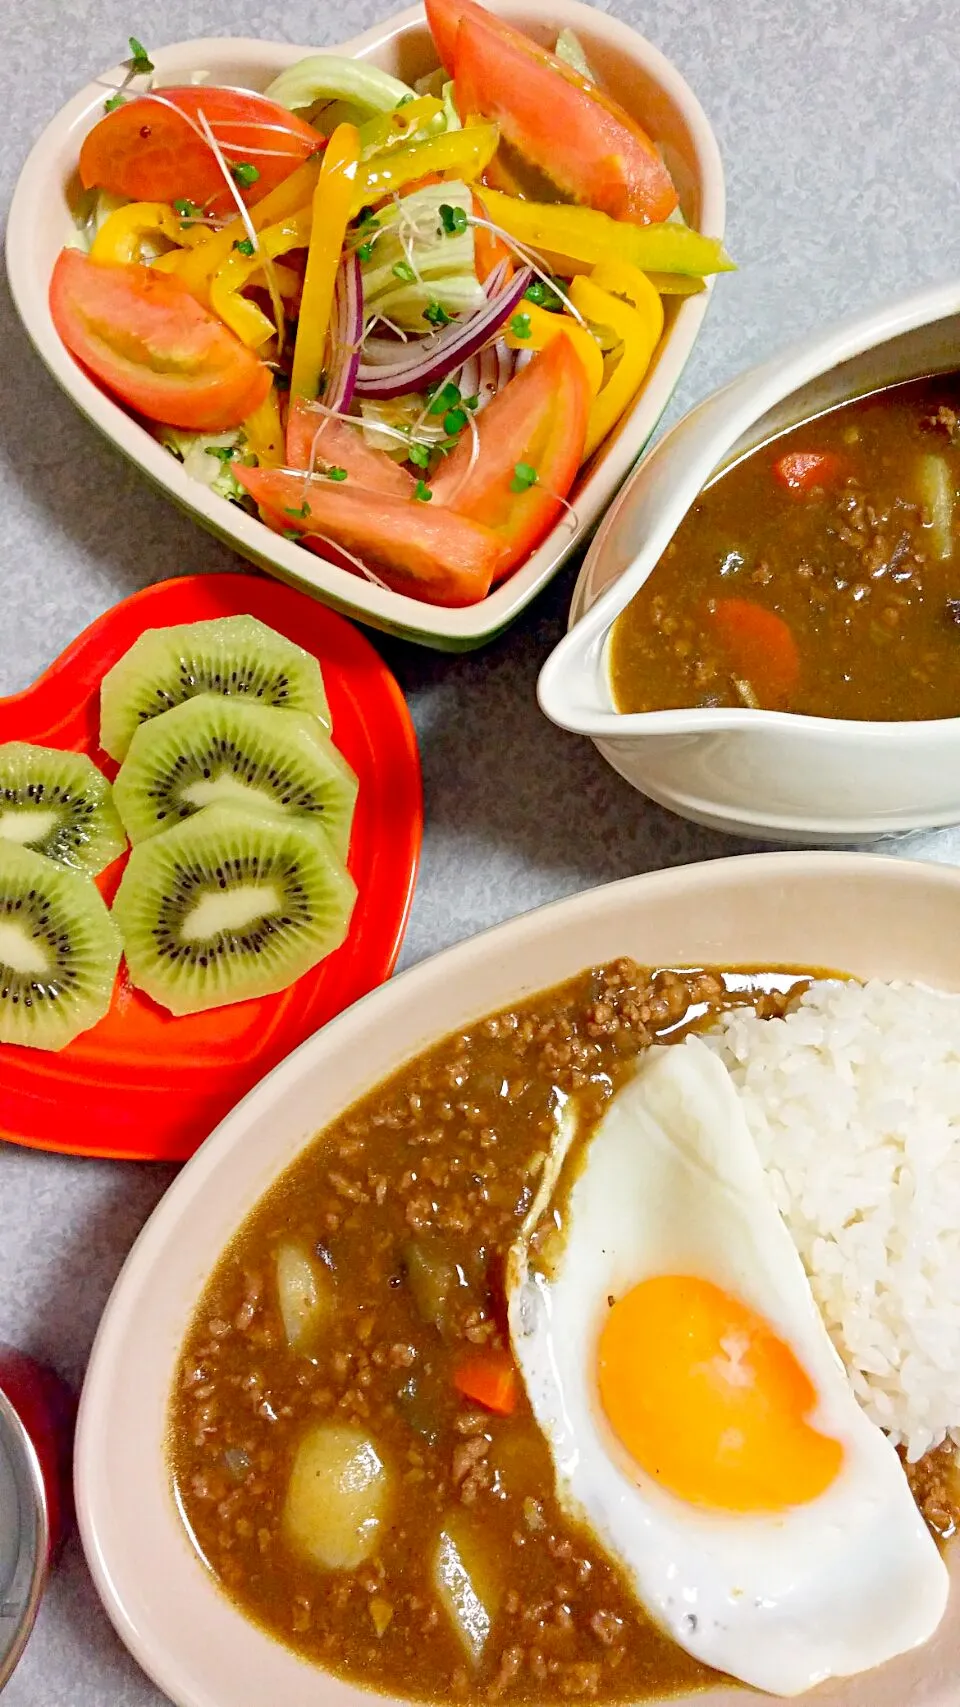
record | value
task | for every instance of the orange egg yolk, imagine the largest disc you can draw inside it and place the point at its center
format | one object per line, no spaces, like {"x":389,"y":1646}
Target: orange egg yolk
{"x":709,"y":1401}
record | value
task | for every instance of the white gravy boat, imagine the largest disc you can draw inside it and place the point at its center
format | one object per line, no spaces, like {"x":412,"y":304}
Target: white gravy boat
{"x":771,"y":774}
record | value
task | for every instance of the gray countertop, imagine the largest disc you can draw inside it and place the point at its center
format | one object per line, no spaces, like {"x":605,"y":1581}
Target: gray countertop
{"x":837,"y":128}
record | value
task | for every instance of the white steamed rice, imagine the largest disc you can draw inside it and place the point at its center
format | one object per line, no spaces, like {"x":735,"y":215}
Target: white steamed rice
{"x":854,"y":1103}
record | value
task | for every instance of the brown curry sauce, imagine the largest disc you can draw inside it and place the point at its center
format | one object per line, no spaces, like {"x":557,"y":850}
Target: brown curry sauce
{"x":438,"y":1164}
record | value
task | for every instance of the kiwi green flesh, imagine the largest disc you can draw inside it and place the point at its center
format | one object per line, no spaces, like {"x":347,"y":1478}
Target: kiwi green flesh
{"x":210,"y":750}
{"x":59,"y":951}
{"x":234,"y":903}
{"x":235,"y":656}
{"x":60,"y":805}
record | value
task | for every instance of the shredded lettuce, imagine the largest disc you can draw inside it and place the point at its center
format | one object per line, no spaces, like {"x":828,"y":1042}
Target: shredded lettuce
{"x":410,"y":236}
{"x":570,"y":50}
{"x":432,"y":83}
{"x":209,"y":457}
{"x":323,"y":77}
{"x":402,"y":414}
{"x":448,"y":96}
{"x":436,"y":83}
{"x":92,"y":211}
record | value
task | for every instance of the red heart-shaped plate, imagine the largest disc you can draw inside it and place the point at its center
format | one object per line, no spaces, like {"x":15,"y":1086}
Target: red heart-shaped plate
{"x":144,"y":1084}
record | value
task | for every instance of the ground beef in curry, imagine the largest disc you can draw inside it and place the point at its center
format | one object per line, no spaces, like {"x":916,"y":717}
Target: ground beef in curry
{"x":410,"y":1203}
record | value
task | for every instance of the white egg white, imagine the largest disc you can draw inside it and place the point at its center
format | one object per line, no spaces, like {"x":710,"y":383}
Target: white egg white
{"x":671,"y":1183}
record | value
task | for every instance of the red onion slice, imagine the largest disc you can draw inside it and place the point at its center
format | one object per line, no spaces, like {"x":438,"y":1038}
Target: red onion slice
{"x":505,"y":362}
{"x":468,"y":379}
{"x":346,"y":334}
{"x":495,"y":281}
{"x":489,"y":379}
{"x":430,"y":360}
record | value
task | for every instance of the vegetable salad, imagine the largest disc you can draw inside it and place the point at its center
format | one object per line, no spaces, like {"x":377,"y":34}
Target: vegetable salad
{"x":394,"y":322}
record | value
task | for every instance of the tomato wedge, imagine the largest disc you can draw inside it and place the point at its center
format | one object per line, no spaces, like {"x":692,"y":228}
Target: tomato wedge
{"x":149,"y":341}
{"x":153,"y":148}
{"x":539,"y":422}
{"x":340,"y":446}
{"x":417,"y":548}
{"x":559,"y":121}
{"x":443,"y":21}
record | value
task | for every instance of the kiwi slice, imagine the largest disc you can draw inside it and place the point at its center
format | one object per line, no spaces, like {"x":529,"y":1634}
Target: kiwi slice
{"x":59,"y":805}
{"x":59,"y":951}
{"x":236,"y":656}
{"x":237,"y":902}
{"x":214,"y":749}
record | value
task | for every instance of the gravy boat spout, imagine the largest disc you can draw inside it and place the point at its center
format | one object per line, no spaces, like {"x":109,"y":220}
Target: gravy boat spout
{"x":779,"y":775}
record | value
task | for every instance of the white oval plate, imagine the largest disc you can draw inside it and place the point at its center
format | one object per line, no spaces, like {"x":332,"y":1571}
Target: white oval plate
{"x":633,"y":70}
{"x":869,"y":916}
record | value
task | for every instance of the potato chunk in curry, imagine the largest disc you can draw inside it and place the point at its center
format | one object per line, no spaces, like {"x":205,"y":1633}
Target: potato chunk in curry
{"x":337,"y":1497}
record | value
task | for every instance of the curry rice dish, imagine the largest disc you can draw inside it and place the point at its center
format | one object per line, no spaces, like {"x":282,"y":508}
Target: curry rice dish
{"x":367,"y":1430}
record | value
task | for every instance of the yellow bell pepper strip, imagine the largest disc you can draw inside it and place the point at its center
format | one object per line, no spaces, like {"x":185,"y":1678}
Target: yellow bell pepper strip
{"x":638,"y":323}
{"x":537,"y":328}
{"x":239,"y":270}
{"x":264,"y":432}
{"x":332,"y":202}
{"x":390,"y":130}
{"x":243,"y":317}
{"x":620,"y":278}
{"x":191,"y":237}
{"x":668,"y":284}
{"x":197,"y":268}
{"x":675,"y":284}
{"x":120,"y":237}
{"x":585,"y":234}
{"x":464,"y":152}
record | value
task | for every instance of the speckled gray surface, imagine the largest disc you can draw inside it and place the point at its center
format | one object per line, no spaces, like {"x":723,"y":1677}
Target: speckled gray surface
{"x":842,"y":163}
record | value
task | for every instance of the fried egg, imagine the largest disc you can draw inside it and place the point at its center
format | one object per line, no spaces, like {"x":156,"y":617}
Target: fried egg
{"x":701,"y":1424}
